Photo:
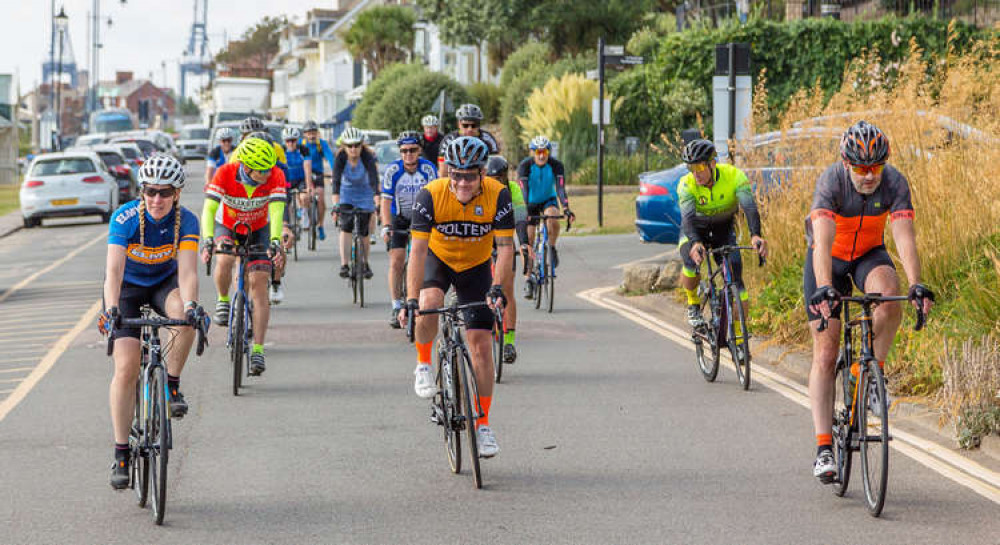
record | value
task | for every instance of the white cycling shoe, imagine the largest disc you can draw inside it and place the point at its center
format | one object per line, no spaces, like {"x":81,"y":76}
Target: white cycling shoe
{"x":423,"y":382}
{"x":487,"y":442}
{"x":277,"y":293}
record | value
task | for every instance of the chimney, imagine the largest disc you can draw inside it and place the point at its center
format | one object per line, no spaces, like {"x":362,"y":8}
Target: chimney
{"x":123,"y":77}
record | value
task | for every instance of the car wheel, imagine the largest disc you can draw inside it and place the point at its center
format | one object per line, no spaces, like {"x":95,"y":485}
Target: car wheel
{"x":32,"y":222}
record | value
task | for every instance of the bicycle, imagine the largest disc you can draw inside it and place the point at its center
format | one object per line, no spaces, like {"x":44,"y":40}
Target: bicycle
{"x":543,"y":275}
{"x":239,"y":337}
{"x":452,"y":406}
{"x":500,"y":325}
{"x":313,"y":212}
{"x":725,"y":305}
{"x":357,"y":263}
{"x":150,"y":437}
{"x":295,"y":220}
{"x":867,"y":409}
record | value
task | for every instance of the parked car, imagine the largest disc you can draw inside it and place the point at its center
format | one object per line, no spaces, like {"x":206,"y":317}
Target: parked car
{"x":71,"y":183}
{"x":373,"y":136}
{"x":133,"y":154}
{"x":146,"y":146}
{"x":161,"y":140}
{"x":386,"y":152}
{"x":119,"y":167}
{"x":85,"y":140}
{"x":193,"y":141}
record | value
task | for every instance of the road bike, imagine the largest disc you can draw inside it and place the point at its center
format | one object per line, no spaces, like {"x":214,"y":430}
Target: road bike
{"x":861,"y":414}
{"x":500,"y":325}
{"x":455,"y":407}
{"x":295,"y":221}
{"x":727,"y":324}
{"x":543,"y":274}
{"x":150,"y":436}
{"x":313,"y":213}
{"x":357,"y":263}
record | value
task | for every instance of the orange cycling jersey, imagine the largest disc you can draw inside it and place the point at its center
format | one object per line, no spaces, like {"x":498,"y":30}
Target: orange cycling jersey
{"x":461,"y":235}
{"x":242,"y":202}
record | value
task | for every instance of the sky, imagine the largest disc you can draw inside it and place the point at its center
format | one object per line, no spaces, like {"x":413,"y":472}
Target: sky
{"x":144,"y":33}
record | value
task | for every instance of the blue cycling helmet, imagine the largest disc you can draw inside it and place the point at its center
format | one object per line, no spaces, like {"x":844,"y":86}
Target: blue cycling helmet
{"x":466,"y":152}
{"x":408,"y":137}
{"x":540,"y":142}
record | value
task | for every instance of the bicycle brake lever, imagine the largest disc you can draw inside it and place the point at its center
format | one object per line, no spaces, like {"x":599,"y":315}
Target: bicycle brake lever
{"x":921,"y":319}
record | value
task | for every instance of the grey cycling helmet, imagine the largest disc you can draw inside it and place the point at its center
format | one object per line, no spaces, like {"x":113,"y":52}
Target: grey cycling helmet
{"x":161,"y":169}
{"x":496,"y":167}
{"x":466,"y":152}
{"x":469,"y":112}
{"x":864,"y":144}
{"x":251,"y":124}
{"x":225,"y":133}
{"x":310,"y":126}
{"x":290,"y":133}
{"x":429,"y":121}
{"x":698,"y":151}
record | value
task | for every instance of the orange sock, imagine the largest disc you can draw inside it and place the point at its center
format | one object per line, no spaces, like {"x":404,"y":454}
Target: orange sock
{"x":824,"y":439}
{"x":424,"y":353}
{"x":485,"y":402}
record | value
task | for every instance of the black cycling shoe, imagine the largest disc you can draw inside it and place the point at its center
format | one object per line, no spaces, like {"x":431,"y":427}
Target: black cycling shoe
{"x":368,"y":272}
{"x":394,"y":319}
{"x":257,"y":366}
{"x":222,"y":313}
{"x":345,"y":271}
{"x":178,"y":405}
{"x":119,"y":473}
{"x":509,"y":353}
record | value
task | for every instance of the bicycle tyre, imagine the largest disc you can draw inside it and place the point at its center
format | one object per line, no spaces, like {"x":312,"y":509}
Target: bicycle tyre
{"x":140,"y":466}
{"x":842,"y":430}
{"x":450,"y":409}
{"x":707,"y":356}
{"x":740,"y":354}
{"x":551,"y":276}
{"x":296,"y":226}
{"x":873,"y":429}
{"x":237,"y":350}
{"x":537,"y":285}
{"x":470,"y":417}
{"x":360,"y":273}
{"x":313,"y":233}
{"x":498,"y":343}
{"x":159,"y":452}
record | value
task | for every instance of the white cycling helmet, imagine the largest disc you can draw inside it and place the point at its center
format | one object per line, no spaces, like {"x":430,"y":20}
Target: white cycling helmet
{"x":540,"y":142}
{"x":290,"y":133}
{"x":351,"y":136}
{"x":226,"y":133}
{"x":429,"y":121}
{"x":161,"y":169}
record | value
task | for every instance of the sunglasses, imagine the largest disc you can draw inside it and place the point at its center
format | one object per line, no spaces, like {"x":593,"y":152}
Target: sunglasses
{"x":863,"y":170}
{"x":291,"y":140}
{"x":697,"y":167}
{"x":542,"y":151}
{"x":409,"y":150}
{"x":464,"y":176}
{"x":468,"y":126}
{"x":166,"y":192}
{"x":352,"y":146}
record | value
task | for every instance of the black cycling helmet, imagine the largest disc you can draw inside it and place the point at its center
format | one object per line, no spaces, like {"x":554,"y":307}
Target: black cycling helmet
{"x":496,"y":167}
{"x":864,"y":144}
{"x":466,"y":152}
{"x":698,"y":151}
{"x":310,"y":126}
{"x":469,"y":112}
{"x":251,"y":124}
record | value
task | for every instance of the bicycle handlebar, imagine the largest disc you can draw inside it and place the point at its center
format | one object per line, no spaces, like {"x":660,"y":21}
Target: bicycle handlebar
{"x":734,"y":248}
{"x":569,"y":224}
{"x":157,"y":322}
{"x":870,"y":299}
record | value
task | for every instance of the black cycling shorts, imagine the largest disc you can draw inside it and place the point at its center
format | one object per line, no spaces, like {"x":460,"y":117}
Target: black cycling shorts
{"x":470,"y":285}
{"x":347,"y":220}
{"x":134,"y":296}
{"x":317,"y":179}
{"x":714,"y":238}
{"x":538,"y":209}
{"x":259,"y":261}
{"x":400,"y":235}
{"x":843,"y":271}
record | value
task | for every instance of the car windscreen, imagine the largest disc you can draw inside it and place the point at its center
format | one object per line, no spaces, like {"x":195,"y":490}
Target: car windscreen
{"x":195,"y":134}
{"x":147,"y":147}
{"x":387,"y":153}
{"x":89,"y":140}
{"x":110,"y":158}
{"x":59,"y":167}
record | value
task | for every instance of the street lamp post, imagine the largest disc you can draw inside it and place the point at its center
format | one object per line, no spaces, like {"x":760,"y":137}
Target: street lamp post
{"x":61,"y":21}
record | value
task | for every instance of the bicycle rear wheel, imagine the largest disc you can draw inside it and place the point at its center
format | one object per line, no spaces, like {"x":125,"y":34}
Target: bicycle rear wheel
{"x":551,"y":276}
{"x":739,"y":337}
{"x":159,"y":437}
{"x":842,"y":451}
{"x":140,"y":466}
{"x":468,"y":406}
{"x":237,"y":350}
{"x":313,"y":223}
{"x":360,"y":274}
{"x":873,"y":428}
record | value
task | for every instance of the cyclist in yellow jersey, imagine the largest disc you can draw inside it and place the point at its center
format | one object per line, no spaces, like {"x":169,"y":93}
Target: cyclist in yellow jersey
{"x":455,"y":222}
{"x":254,"y":127}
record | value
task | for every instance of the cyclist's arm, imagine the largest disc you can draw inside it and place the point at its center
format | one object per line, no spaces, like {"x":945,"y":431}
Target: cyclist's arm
{"x":824,"y":228}
{"x":327,"y":152}
{"x":113,"y":275}
{"x":387,"y":195}
{"x":372,"y":169}
{"x":523,"y":173}
{"x":338,"y":171}
{"x":208,"y":211}
{"x":307,"y":167}
{"x":276,"y":215}
{"x":560,"y":176}
{"x":905,"y":236}
{"x":187,"y":257}
{"x":744,"y":194}
{"x":420,"y":229}
{"x":503,"y":226}
{"x":209,"y":171}
{"x":520,"y":212}
{"x":687,"y":204}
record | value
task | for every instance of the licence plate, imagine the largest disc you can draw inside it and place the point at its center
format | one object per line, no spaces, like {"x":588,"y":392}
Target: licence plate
{"x":64,"y":202}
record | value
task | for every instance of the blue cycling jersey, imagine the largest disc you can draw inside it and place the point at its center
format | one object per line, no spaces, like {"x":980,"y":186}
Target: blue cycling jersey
{"x":151,"y":261}
{"x":318,"y":153}
{"x":295,"y":165}
{"x":402,"y":187}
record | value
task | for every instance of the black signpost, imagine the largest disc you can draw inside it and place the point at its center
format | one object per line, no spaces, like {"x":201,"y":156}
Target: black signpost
{"x":611,"y":55}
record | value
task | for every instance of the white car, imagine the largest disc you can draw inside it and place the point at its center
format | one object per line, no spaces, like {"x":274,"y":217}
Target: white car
{"x":193,"y":142}
{"x":72,"y":183}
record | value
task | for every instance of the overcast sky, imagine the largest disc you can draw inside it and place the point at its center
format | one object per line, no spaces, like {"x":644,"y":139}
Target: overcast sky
{"x":145,"y":33}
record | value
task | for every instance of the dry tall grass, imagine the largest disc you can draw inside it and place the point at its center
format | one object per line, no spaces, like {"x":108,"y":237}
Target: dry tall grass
{"x":971,"y":390}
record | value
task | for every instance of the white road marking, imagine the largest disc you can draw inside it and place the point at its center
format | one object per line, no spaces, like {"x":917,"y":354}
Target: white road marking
{"x":31,"y":278}
{"x":54,"y":326}
{"x":956,"y":467}
{"x":10,"y":380}
{"x":645,"y":259}
{"x":17,"y":370}
{"x":22,"y":339}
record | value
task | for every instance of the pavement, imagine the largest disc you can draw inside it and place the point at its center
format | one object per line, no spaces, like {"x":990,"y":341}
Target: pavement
{"x":608,"y":432}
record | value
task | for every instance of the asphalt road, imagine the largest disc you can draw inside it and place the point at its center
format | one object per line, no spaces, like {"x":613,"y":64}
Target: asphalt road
{"x":608,"y":433}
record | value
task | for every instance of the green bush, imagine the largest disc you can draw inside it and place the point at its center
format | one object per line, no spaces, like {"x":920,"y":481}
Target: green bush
{"x":522,"y":59}
{"x":377,"y":89}
{"x":619,"y":169}
{"x":487,"y":97}
{"x":410,"y":98}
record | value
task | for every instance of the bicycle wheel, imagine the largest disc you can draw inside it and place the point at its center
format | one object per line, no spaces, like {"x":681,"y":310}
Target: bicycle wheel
{"x":313,"y":220}
{"x":465,"y":366}
{"x":842,"y":432}
{"x":296,"y":226}
{"x":449,"y":395}
{"x":497,"y":352}
{"x":237,"y":350}
{"x":538,"y":283}
{"x":140,"y":466}
{"x":706,"y":343}
{"x":354,"y":270}
{"x":360,"y":274}
{"x":159,"y":433}
{"x":550,"y":276}
{"x":739,"y":339}
{"x":873,"y":429}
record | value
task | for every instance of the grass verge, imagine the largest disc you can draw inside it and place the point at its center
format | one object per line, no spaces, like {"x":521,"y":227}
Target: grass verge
{"x":619,"y":214}
{"x":9,"y":199}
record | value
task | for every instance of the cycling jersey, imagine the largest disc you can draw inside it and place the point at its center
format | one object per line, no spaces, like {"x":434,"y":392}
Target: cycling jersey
{"x":317,"y":153}
{"x":708,"y":208}
{"x":520,"y":211}
{"x":243,"y":202}
{"x":357,"y":185}
{"x":485,"y":136}
{"x":430,"y":149}
{"x":542,"y":184}
{"x":152,"y":260}
{"x":218,"y":156}
{"x":461,"y":235}
{"x":402,"y":186}
{"x":860,"y":218}
{"x":296,"y":164}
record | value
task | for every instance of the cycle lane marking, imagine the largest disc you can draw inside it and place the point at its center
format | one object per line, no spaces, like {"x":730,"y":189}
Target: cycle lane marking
{"x":956,"y":467}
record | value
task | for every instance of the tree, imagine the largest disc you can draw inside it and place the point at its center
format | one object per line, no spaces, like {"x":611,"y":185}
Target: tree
{"x":503,"y":24}
{"x":381,"y":36}
{"x":257,"y":46}
{"x":573,"y":26}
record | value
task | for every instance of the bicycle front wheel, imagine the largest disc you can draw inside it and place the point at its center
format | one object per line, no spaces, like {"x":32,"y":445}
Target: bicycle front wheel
{"x":448,"y":386}
{"x":159,"y":441}
{"x":873,"y":428}
{"x":706,"y":344}
{"x":739,"y":336}
{"x":237,"y":350}
{"x":313,"y":223}
{"x":360,"y":273}
{"x":843,"y":391}
{"x":468,"y":408}
{"x":140,"y":465}
{"x":550,"y":287}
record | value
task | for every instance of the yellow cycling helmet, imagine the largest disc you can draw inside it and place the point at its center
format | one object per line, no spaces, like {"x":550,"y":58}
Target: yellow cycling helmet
{"x":257,"y":154}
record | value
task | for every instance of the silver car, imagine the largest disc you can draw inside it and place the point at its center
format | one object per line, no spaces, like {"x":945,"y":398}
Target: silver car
{"x":67,"y":184}
{"x":193,"y":141}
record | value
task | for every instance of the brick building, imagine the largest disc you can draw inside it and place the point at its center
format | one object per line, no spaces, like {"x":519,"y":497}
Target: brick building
{"x":147,"y":101}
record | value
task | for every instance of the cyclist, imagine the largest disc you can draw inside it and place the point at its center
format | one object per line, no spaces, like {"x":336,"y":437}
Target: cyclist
{"x":152,"y":260}
{"x":356,"y":176}
{"x":298,"y":176}
{"x":430,"y":141}
{"x":319,"y":149}
{"x":455,"y":221}
{"x":470,"y":117}
{"x":498,"y":168}
{"x":401,"y":182}
{"x":543,"y":180}
{"x":852,"y":201}
{"x":710,"y":196}
{"x":221,"y":153}
{"x":250,"y":191}
{"x":253,"y":127}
